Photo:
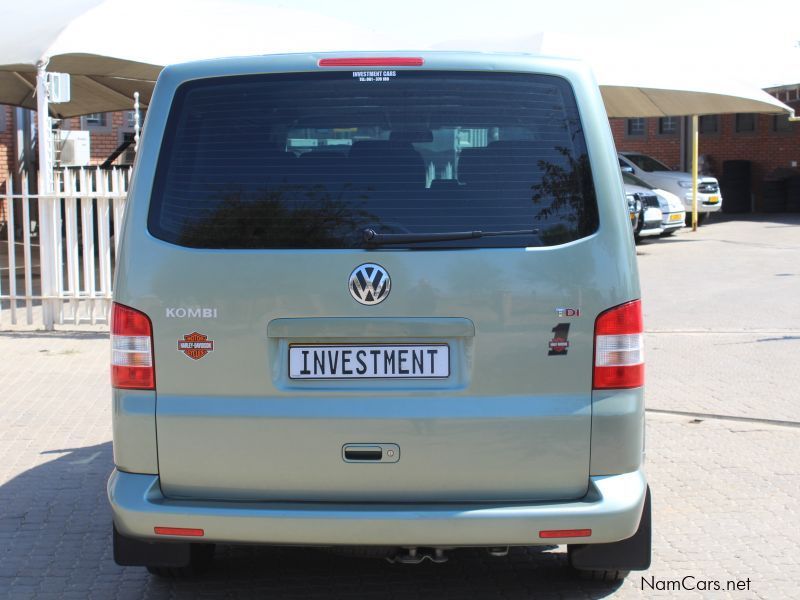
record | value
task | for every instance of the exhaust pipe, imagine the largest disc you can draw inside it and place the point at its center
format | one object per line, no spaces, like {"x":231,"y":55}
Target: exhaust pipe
{"x":414,"y":556}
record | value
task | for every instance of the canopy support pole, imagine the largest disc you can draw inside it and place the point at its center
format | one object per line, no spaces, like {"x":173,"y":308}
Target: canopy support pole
{"x":46,"y":202}
{"x":695,"y":150}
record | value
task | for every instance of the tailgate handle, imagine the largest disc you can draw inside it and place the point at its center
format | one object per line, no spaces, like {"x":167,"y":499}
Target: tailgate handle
{"x":371,"y":453}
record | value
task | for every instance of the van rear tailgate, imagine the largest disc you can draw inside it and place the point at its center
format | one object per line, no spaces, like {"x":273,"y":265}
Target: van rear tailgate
{"x":511,"y":420}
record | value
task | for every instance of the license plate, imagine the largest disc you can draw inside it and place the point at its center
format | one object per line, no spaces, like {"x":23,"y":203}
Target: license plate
{"x":380,"y":361}
{"x":676,"y":217}
{"x":713,"y":199}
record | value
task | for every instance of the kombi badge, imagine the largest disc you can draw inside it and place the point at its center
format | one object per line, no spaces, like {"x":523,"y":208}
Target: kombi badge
{"x":195,"y":345}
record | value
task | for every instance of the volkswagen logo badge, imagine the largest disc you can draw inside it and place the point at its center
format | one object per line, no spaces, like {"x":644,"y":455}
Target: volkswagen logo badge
{"x":369,"y":284}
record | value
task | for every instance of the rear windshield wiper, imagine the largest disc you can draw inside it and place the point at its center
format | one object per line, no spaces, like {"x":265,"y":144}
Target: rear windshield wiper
{"x":371,"y":236}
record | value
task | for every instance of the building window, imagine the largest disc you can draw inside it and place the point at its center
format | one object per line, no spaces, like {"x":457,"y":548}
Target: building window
{"x":668,"y":125}
{"x":708,"y":124}
{"x":745,"y":122}
{"x":130,"y":152}
{"x":781,"y":123}
{"x":3,"y":117}
{"x":636,"y":127}
{"x":95,"y":120}
{"x":130,"y":118}
{"x":99,"y":122}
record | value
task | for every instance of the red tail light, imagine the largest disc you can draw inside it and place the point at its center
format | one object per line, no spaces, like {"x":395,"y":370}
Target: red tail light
{"x":619,"y":347}
{"x":372,"y":61}
{"x":131,"y":349}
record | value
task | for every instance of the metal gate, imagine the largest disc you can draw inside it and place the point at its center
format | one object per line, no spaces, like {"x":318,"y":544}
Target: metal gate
{"x":60,"y":249}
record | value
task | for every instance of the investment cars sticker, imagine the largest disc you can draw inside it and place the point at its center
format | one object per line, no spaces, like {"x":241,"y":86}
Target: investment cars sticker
{"x":195,"y":345}
{"x":559,"y":344}
{"x":374,"y":76}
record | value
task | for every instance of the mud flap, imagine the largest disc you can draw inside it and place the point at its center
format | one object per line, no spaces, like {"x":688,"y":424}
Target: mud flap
{"x":632,"y":554}
{"x":130,"y":552}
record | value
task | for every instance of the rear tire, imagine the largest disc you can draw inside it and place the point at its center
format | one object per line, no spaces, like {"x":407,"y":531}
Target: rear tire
{"x":701,"y":218}
{"x":602,"y":575}
{"x":200,"y":559}
{"x":613,"y":561}
{"x":165,"y":559}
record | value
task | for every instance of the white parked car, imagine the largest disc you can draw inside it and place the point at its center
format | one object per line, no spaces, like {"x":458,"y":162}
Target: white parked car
{"x":674,"y":216}
{"x":650,"y":217}
{"x":659,"y":175}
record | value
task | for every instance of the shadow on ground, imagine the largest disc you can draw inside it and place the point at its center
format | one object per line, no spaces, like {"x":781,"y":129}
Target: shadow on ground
{"x":675,"y":239}
{"x":61,"y":335}
{"x":779,"y":219}
{"x":55,"y":527}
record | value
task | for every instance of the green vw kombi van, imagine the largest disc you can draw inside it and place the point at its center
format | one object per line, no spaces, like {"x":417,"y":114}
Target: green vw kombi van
{"x":382,"y":301}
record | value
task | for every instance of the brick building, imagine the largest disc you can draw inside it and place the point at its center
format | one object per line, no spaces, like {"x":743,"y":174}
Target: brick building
{"x":107,"y":131}
{"x":771,"y":143}
{"x":6,"y":151}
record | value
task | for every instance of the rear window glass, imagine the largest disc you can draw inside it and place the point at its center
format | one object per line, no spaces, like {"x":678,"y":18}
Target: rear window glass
{"x":311,"y":160}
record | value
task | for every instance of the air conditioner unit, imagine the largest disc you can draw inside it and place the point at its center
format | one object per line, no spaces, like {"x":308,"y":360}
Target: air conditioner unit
{"x":75,"y":148}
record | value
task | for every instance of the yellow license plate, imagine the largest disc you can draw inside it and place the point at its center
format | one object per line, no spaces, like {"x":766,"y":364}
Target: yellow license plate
{"x":675,"y":217}
{"x":713,"y":200}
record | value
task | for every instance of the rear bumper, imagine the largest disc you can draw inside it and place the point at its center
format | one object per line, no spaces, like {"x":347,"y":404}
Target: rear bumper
{"x":703,"y":205}
{"x":612,"y":509}
{"x":651,"y":228}
{"x":670,"y":224}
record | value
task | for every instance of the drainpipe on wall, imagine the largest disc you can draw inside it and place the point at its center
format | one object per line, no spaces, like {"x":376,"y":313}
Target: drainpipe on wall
{"x":695,"y":151}
{"x":684,"y":143}
{"x":23,"y":135}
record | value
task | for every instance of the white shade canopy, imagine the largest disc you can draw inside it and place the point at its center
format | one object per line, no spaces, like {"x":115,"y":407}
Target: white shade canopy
{"x":657,"y":81}
{"x":651,"y":81}
{"x":112,"y":48}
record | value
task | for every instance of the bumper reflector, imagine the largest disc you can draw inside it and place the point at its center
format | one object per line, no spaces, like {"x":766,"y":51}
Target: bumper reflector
{"x":185,"y":531}
{"x":565,"y":533}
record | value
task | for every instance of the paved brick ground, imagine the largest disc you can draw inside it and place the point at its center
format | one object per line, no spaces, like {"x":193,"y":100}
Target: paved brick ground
{"x":722,"y":308}
{"x":724,"y":492}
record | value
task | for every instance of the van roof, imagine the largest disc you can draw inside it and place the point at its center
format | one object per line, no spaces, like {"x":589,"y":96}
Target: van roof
{"x":432,"y":59}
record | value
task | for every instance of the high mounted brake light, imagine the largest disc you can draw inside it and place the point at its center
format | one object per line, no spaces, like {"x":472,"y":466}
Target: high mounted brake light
{"x":131,"y":349}
{"x":619,"y":347}
{"x":372,"y":61}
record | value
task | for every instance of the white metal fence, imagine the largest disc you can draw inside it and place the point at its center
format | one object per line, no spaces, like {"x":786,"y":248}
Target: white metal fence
{"x":60,"y":249}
